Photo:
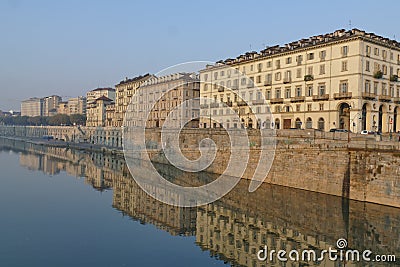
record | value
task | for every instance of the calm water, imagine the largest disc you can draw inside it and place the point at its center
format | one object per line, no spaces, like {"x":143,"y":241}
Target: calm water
{"x":63,"y":207}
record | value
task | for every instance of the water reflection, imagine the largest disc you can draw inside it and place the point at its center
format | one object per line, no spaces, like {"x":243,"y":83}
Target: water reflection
{"x":234,"y":228}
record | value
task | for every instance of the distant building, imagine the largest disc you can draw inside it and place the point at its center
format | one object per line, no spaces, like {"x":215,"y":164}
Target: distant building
{"x":92,"y":95}
{"x":153,"y":99}
{"x":63,"y":108}
{"x":124,"y":92}
{"x":32,"y":107}
{"x":96,"y":112}
{"x":50,"y":105}
{"x":77,"y":105}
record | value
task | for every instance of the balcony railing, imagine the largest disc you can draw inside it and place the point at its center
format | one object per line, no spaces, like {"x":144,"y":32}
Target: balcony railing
{"x":220,"y":89}
{"x":241,"y":103}
{"x":385,"y":98}
{"x":204,"y":106}
{"x":229,"y":103}
{"x":297,"y":99}
{"x":287,"y":80}
{"x":342,"y":95}
{"x":268,"y":83}
{"x":214,"y":105}
{"x":396,"y":100}
{"x":258,"y":102}
{"x":276,"y":100}
{"x":320,"y":97}
{"x":366,"y":95}
{"x":235,"y":87}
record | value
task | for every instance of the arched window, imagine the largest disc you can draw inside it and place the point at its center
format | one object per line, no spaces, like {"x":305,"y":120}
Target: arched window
{"x":321,"y":124}
{"x":267,"y":124}
{"x":309,"y":123}
{"x":298,"y":123}
{"x":277,"y":124}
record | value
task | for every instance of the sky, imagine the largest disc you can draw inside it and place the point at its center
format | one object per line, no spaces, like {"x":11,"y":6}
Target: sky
{"x":71,"y":47}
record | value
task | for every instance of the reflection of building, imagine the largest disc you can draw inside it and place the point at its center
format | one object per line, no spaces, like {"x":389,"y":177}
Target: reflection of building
{"x":124,"y":92}
{"x":345,"y":79}
{"x":96,"y":112}
{"x":32,"y":107}
{"x":185,"y":86}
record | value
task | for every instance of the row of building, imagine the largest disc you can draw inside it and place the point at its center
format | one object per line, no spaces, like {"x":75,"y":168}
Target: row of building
{"x":345,"y":79}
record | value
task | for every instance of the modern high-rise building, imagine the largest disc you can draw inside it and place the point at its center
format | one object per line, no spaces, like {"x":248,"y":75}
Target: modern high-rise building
{"x":77,"y":105}
{"x":32,"y":107}
{"x":50,"y":105}
{"x":124,"y":92}
{"x":345,"y":79}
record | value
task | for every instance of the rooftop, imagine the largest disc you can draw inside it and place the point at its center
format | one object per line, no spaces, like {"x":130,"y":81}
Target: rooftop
{"x":309,"y":42}
{"x":135,"y":79}
{"x":103,"y":89}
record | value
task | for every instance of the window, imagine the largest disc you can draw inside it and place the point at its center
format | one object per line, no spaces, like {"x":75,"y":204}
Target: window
{"x":343,"y":87}
{"x":345,"y":50}
{"x":322,"y":55}
{"x":288,"y":60}
{"x":368,"y":50}
{"x":269,"y":64}
{"x":321,"y":106}
{"x":258,"y":78}
{"x":215,"y":75}
{"x":391,"y":90}
{"x":376,"y":51}
{"x":367,"y":65}
{"x":287,"y":108}
{"x":205,"y":87}
{"x":299,"y":59}
{"x":321,"y":124}
{"x":309,"y":90}
{"x":287,"y":94}
{"x":243,"y":81}
{"x":310,"y":56}
{"x":278,"y":93}
{"x":375,"y":88}
{"x":384,"y":90}
{"x":391,"y":55}
{"x":322,"y":69}
{"x":384,"y":54}
{"x":268,"y":94}
{"x":222,"y":73}
{"x":298,"y":91}
{"x":309,"y":107}
{"x":268,"y":78}
{"x":298,"y":106}
{"x":251,"y":67}
{"x":259,"y":67}
{"x":321,"y":89}
{"x":278,"y":64}
{"x":310,"y":70}
{"x":344,"y":65}
{"x":376,"y":67}
{"x":367,"y":87}
{"x":298,"y":73}
{"x":277,"y":76}
{"x":384,"y":69}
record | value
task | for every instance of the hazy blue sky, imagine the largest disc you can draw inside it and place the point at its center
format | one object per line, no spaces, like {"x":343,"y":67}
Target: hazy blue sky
{"x":70,"y":47}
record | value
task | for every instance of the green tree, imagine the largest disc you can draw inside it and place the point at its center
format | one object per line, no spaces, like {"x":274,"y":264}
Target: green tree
{"x":78,"y":119}
{"x":59,"y":119}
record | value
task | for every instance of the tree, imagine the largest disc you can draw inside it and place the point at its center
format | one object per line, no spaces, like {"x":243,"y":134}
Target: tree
{"x":78,"y":119}
{"x":59,"y":119}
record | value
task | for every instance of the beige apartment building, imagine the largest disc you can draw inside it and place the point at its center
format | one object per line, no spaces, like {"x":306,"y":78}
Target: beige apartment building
{"x":345,"y":79}
{"x":50,"y":105}
{"x":32,"y":107}
{"x":96,"y":112}
{"x":159,"y":96}
{"x":94,"y":94}
{"x":110,"y":115}
{"x":123,"y":95}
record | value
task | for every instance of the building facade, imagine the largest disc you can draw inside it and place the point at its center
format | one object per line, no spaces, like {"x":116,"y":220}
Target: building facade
{"x":50,"y":105}
{"x":110,"y":115}
{"x":32,"y":107}
{"x":92,"y":95}
{"x":159,"y":96}
{"x":345,"y":79}
{"x":77,"y":105}
{"x":96,"y":112}
{"x":124,"y":92}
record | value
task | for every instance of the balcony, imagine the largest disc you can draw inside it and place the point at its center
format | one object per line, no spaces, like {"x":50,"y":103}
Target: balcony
{"x":320,"y":97}
{"x":204,"y":106}
{"x":241,"y":103}
{"x":366,"y":95}
{"x":229,"y":103}
{"x":258,"y":102}
{"x":214,"y":105}
{"x":276,"y":100}
{"x":220,"y":89}
{"x":235,"y":87}
{"x":287,"y":80}
{"x":297,"y":99}
{"x":268,"y":83}
{"x":342,"y":95}
{"x":384,"y":98}
{"x":396,"y":100}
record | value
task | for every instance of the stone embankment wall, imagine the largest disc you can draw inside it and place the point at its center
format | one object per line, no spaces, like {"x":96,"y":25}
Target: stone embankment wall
{"x":358,"y":168}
